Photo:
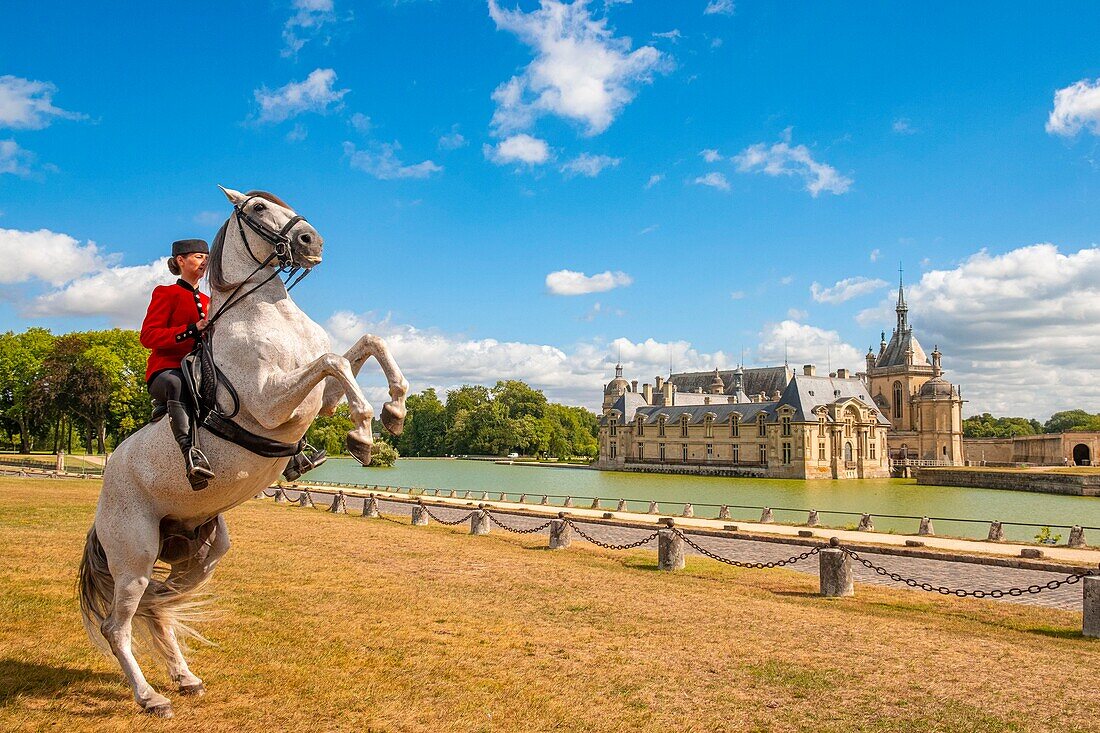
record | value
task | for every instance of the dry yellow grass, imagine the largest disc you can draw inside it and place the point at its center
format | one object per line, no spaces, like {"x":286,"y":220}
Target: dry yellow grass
{"x":341,"y":623}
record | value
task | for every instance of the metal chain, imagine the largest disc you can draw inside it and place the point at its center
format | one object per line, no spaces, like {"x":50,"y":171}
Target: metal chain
{"x":271,"y":495}
{"x":505,"y":527}
{"x":737,"y":563}
{"x":445,"y":521}
{"x":961,"y":593}
{"x":389,"y":519}
{"x":605,"y":545}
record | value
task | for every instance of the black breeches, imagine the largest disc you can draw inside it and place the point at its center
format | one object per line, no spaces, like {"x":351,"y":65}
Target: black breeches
{"x":167,"y":385}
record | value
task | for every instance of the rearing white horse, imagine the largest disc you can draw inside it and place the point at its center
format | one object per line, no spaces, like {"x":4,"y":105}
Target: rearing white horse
{"x":280,"y":363}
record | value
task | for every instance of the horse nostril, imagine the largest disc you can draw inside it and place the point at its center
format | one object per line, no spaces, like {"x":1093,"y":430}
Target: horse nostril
{"x":305,"y":239}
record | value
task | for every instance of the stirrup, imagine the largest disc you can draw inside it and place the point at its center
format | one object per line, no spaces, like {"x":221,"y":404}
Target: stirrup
{"x":307,"y":460}
{"x":198,"y":468}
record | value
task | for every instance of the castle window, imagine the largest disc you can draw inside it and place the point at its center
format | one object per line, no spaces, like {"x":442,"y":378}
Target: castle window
{"x":821,"y":427}
{"x":760,"y":425}
{"x":641,"y":450}
{"x":661,"y":451}
{"x":710,"y":451}
{"x":613,"y":427}
{"x":786,"y":422}
{"x":641,"y":426}
{"x":735,"y":425}
{"x":684,"y":453}
{"x":684,"y":426}
{"x":661,"y":426}
{"x":897,"y":399}
{"x":735,"y":453}
{"x":709,"y":424}
{"x":613,"y":446}
{"x":821,"y":451}
{"x":847,"y":450}
{"x":871,"y":450}
{"x":786,"y":454}
{"x":763,"y":455}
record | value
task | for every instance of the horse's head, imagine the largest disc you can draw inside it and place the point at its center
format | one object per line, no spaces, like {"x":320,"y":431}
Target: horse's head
{"x":271,"y":221}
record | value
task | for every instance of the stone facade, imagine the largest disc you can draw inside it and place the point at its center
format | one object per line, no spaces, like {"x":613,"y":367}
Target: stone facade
{"x":1078,"y":448}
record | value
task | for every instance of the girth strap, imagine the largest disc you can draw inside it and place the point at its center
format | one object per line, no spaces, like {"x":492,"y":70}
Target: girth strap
{"x":258,"y":444}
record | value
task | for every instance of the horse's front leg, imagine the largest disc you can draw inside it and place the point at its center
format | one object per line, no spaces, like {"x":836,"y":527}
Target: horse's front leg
{"x":393,"y":412}
{"x":284,"y":392}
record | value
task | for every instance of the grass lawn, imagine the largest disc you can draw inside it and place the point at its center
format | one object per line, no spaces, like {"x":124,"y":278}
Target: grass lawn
{"x":340,"y":623}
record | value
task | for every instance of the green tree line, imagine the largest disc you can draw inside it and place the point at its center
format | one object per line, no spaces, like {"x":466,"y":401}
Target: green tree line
{"x":987,"y":426}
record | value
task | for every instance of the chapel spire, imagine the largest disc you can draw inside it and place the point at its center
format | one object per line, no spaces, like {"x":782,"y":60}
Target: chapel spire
{"x":902,"y":309}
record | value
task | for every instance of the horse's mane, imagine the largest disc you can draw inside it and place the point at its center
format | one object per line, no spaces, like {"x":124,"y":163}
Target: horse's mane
{"x":214,"y":270}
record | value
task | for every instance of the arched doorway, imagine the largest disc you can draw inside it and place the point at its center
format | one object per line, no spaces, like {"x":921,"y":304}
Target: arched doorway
{"x":1081,"y":455}
{"x":847,"y":451}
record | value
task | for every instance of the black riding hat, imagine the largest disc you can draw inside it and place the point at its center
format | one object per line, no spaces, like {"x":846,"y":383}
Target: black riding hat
{"x":190,"y":246}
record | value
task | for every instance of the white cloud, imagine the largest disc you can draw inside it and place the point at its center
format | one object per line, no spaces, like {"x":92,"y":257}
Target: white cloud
{"x":801,"y":343}
{"x":569,"y":282}
{"x":28,"y":105}
{"x":673,"y":35}
{"x":381,"y":161}
{"x":588,"y":165}
{"x":654,"y":180}
{"x":797,"y":315}
{"x":719,"y":7}
{"x":121,"y":294}
{"x":581,"y":71}
{"x":297,"y":133}
{"x":210,"y":218}
{"x":710,"y":155}
{"x":520,"y":148}
{"x":786,"y":280}
{"x":452,"y":140}
{"x":1076,"y":107}
{"x":310,"y":16}
{"x":14,"y":159}
{"x":714,"y":180}
{"x":360,"y":122}
{"x":846,"y":289}
{"x":1018,"y":330}
{"x":44,"y":255}
{"x":314,"y":94}
{"x":903,"y":126}
{"x":650,"y":229}
{"x":783,"y":159}
{"x":737,"y":295}
{"x":875,"y":254}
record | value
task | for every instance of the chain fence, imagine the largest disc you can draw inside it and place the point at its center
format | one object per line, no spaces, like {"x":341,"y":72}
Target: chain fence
{"x":996,"y":593}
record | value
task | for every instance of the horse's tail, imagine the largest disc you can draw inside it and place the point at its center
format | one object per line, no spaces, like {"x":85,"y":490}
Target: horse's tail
{"x":163,"y":604}
{"x":96,"y":589}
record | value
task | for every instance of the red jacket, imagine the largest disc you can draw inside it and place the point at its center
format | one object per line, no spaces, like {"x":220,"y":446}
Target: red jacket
{"x":169,"y":326}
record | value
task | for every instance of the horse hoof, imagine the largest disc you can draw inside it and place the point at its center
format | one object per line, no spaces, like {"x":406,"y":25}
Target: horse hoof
{"x":393,"y":418}
{"x":197,"y":690}
{"x":163,"y":710}
{"x":360,"y":450}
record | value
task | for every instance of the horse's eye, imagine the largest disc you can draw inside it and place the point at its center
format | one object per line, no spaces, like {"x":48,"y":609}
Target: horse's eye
{"x":258,"y":207}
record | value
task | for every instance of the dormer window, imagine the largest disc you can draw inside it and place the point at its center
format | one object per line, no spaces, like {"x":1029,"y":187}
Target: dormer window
{"x":709,"y":425}
{"x":735,"y":425}
{"x":641,"y":426}
{"x":761,"y":424}
{"x":613,"y":427}
{"x":683,"y":426}
{"x":661,"y":426}
{"x":785,"y":422}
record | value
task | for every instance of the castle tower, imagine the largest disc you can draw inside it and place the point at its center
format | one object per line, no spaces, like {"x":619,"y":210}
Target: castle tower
{"x":615,"y":389}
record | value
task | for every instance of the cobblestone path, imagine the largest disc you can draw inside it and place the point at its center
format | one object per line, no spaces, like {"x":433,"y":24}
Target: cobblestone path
{"x":937,"y":572}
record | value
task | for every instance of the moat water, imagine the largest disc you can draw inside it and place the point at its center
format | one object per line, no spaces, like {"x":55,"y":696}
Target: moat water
{"x":790,"y":499}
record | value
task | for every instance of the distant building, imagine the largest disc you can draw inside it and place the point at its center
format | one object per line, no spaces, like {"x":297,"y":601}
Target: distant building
{"x":1075,"y":448}
{"x":773,"y":422}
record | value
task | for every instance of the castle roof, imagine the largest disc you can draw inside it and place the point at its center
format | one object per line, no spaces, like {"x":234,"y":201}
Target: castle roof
{"x":768,"y":380}
{"x":902,"y":341}
{"x":806,"y":393}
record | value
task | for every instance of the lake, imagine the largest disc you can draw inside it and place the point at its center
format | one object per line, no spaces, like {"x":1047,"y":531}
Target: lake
{"x":875,"y":496}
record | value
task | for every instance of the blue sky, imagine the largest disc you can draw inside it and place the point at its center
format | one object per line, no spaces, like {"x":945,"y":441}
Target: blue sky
{"x":747,"y":178}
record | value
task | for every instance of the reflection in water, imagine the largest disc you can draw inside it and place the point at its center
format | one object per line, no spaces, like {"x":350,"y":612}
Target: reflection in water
{"x":875,"y":496}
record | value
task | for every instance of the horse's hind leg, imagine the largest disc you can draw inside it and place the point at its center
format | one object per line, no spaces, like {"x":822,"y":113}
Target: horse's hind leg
{"x":131,"y":543}
{"x":186,"y":576}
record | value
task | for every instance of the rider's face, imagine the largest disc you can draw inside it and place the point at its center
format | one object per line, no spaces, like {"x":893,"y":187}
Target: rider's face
{"x":192,"y":266}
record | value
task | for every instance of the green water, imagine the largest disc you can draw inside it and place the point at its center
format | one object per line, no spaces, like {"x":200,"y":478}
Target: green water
{"x":874,"y":496}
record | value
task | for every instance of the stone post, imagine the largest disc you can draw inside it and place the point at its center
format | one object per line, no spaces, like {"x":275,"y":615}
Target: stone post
{"x":621,"y":506}
{"x":654,"y":508}
{"x":419,"y":516}
{"x":670,"y":549}
{"x":926,"y":528}
{"x":561,"y":534}
{"x":523,"y":498}
{"x":339,"y":504}
{"x":485,"y":496}
{"x":502,"y":497}
{"x":304,"y":499}
{"x":280,"y":497}
{"x":766,"y":516}
{"x":1090,"y":607}
{"x":689,"y":510}
{"x":568,"y":502}
{"x":595,"y":503}
{"x":724,"y":512}
{"x":865,"y":524}
{"x":370,"y":508}
{"x":1076,"y":536}
{"x":813,"y":519}
{"x":835,"y":572}
{"x":466,"y":495}
{"x":479,"y":522}
{"x":996,"y":532}
{"x":60,"y":464}
{"x":545,"y":500}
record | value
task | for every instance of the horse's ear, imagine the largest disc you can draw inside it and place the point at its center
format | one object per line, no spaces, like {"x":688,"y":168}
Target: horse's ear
{"x":235,"y":197}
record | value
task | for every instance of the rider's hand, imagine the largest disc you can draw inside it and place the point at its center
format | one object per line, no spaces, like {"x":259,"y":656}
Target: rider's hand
{"x":201,"y":325}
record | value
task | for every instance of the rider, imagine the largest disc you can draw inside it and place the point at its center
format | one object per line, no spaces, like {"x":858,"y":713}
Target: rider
{"x":176,"y":317}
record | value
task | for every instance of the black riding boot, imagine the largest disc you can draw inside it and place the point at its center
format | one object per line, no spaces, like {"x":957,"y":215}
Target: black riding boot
{"x":198,"y":468}
{"x":306,"y":459}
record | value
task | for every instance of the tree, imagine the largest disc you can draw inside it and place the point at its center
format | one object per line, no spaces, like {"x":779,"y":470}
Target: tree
{"x":987,"y":426}
{"x":465,"y":398}
{"x":425,"y":426}
{"x":518,"y":399}
{"x":383,"y":455}
{"x":1067,"y":420}
{"x":22,"y":357}
{"x":329,"y":432}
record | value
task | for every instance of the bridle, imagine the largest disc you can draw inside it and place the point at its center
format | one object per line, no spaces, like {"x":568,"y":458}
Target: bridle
{"x":281,"y":251}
